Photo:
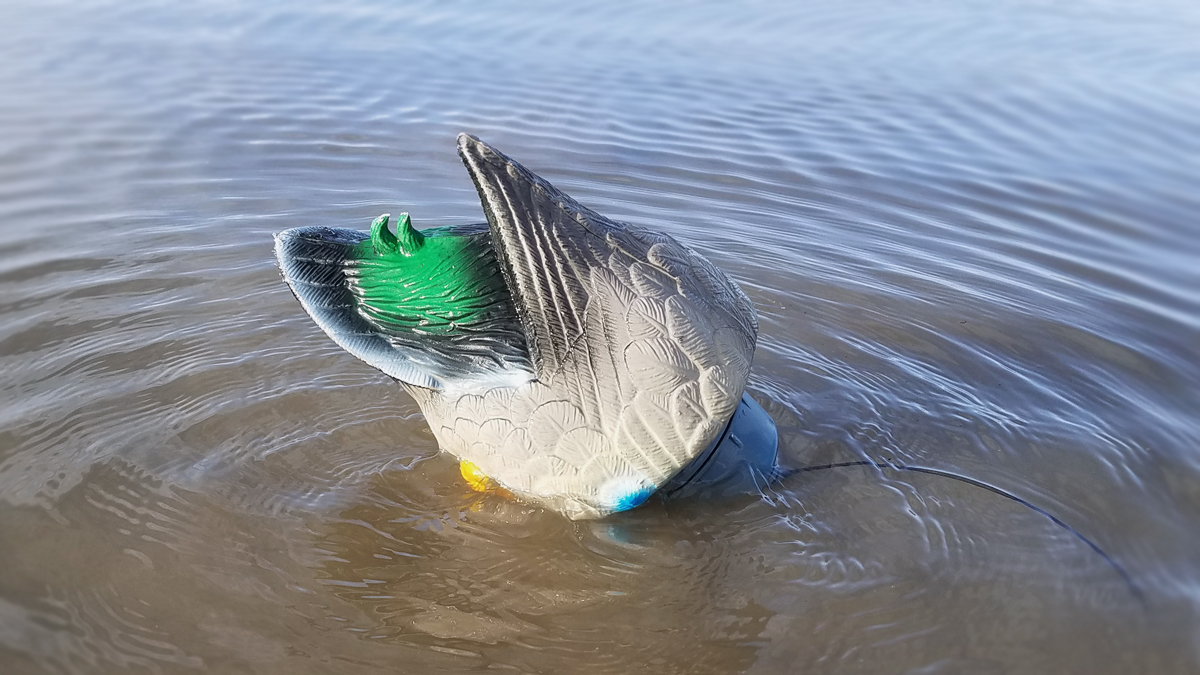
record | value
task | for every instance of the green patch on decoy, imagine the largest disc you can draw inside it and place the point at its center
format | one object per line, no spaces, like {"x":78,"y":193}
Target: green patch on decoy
{"x":434,"y":283}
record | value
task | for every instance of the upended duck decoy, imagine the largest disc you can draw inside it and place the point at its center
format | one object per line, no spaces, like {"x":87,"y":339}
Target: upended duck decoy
{"x":576,"y":362}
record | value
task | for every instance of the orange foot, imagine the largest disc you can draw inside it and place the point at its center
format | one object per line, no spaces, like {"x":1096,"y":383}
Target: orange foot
{"x":479,"y":481}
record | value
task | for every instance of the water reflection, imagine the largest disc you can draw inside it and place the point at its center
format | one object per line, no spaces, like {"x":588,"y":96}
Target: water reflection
{"x":501,"y":583}
{"x":715,"y":587}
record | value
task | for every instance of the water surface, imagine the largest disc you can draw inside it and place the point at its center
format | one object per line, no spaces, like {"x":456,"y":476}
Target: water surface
{"x":970,"y":231}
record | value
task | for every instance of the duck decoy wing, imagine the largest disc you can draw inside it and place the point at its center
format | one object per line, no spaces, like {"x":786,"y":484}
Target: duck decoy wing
{"x":430,"y":310}
{"x":652,"y":341}
{"x":546,"y":243}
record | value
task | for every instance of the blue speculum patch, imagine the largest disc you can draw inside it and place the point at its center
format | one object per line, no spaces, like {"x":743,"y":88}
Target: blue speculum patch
{"x":633,"y":499}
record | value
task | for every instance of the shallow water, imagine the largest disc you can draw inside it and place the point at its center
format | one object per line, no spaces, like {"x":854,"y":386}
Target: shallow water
{"x":970,"y":231}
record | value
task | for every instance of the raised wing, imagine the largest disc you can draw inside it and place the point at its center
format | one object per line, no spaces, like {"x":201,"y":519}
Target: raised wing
{"x":644,"y":338}
{"x":436,"y":317}
{"x":546,"y":243}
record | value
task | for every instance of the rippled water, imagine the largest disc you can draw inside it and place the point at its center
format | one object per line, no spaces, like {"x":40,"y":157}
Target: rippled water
{"x":970,"y":230}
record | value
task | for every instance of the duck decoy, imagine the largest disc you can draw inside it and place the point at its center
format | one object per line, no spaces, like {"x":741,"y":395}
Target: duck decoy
{"x":576,"y":362}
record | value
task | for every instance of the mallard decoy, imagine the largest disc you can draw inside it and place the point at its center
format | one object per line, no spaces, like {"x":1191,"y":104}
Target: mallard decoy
{"x":576,"y":362}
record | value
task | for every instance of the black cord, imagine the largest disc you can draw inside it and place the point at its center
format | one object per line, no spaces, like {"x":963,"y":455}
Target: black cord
{"x":1133,"y":587}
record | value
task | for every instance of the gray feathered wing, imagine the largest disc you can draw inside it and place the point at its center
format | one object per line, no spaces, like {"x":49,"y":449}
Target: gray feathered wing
{"x":647,"y":339}
{"x":325,"y":266}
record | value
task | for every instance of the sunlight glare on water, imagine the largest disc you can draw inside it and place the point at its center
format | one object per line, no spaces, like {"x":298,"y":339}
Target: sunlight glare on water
{"x":969,"y":229}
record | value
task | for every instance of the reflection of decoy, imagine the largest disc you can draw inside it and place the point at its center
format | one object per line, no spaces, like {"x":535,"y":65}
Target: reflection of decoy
{"x":577,"y":362}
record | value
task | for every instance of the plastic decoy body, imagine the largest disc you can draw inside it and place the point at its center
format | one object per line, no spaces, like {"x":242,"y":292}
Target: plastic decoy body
{"x":579,"y":363}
